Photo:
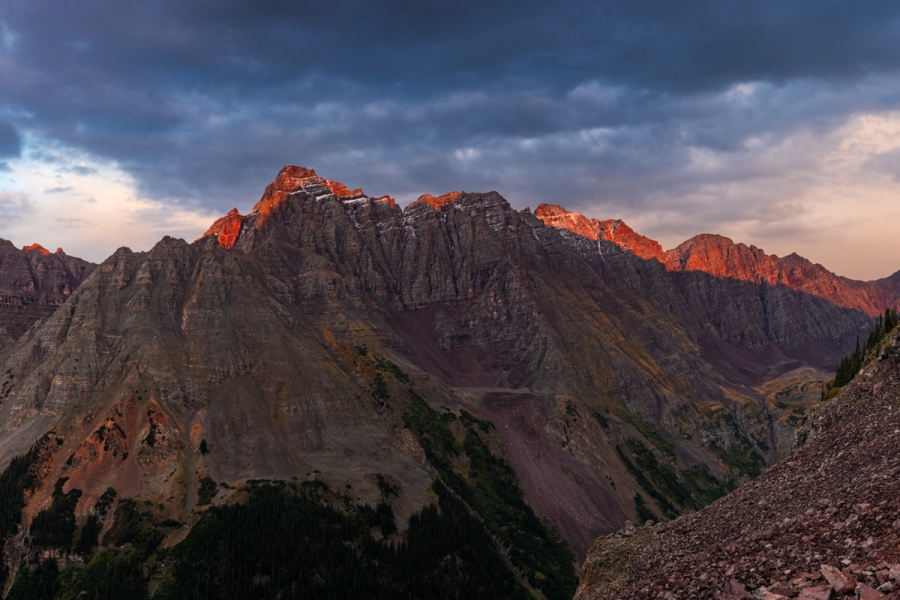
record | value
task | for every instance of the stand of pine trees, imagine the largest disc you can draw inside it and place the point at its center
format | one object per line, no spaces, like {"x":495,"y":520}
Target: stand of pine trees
{"x":853,"y":362}
{"x":288,"y":540}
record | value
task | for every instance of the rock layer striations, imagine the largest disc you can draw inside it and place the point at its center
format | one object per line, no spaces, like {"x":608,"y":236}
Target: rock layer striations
{"x":34,"y":282}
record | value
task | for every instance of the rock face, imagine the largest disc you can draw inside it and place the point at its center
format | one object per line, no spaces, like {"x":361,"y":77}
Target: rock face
{"x":34,"y":282}
{"x":618,"y":386}
{"x":719,"y":256}
{"x":822,"y":523}
{"x":226,"y":229}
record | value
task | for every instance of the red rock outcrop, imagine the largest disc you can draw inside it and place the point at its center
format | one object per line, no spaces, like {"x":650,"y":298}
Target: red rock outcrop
{"x":615,"y":231}
{"x":342,"y":191}
{"x":37,"y":248}
{"x":288,"y":180}
{"x":226,"y":229}
{"x":719,"y":256}
{"x":439,"y":202}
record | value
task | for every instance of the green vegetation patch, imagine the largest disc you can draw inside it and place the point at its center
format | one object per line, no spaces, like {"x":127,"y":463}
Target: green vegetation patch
{"x":207,"y":491}
{"x":851,"y":364}
{"x":110,"y":574}
{"x":644,"y":513}
{"x":649,"y":431}
{"x":54,"y":527}
{"x":675,"y":491}
{"x":15,"y":479}
{"x":40,"y":583}
{"x":105,"y":502}
{"x":604,"y":422}
{"x":490,"y":487}
{"x":88,"y":535}
{"x":383,"y":364}
{"x":381,"y":392}
{"x":133,"y":527}
{"x":743,"y":457}
{"x":285,"y":542}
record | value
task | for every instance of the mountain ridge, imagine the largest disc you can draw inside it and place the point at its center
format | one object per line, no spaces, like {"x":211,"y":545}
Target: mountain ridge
{"x":708,"y":253}
{"x":721,"y":257}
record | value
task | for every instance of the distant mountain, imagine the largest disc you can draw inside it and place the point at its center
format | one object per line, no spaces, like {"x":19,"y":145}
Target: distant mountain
{"x":719,"y":256}
{"x":34,"y":282}
{"x":822,"y":523}
{"x":540,"y":366}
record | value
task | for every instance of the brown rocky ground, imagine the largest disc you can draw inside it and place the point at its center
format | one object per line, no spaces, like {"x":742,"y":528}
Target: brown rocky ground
{"x":822,"y":523}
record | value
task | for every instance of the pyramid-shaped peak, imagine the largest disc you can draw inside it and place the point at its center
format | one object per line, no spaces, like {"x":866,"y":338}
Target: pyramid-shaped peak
{"x":295,"y":172}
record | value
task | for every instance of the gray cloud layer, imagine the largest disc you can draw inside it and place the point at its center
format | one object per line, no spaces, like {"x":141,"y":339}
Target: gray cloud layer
{"x":601,"y":104}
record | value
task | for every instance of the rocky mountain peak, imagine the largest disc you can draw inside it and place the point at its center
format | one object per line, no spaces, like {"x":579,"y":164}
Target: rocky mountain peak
{"x":342,"y":191}
{"x":289,"y":180}
{"x":226,"y":229}
{"x":436,"y":203}
{"x":387,"y":199}
{"x":554,"y":215}
{"x":618,"y":232}
{"x":613,"y":230}
{"x":36,"y":248}
{"x":33,"y":283}
{"x":721,"y":257}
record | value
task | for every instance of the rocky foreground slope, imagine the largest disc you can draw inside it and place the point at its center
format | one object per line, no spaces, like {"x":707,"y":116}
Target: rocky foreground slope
{"x":822,"y":523}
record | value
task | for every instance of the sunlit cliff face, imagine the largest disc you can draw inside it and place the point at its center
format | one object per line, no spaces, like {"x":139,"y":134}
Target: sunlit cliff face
{"x":226,"y":229}
{"x":439,"y":202}
{"x":720,"y":257}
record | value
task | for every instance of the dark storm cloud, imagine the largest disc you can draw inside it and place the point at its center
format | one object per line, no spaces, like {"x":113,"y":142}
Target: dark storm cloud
{"x":202,"y":101}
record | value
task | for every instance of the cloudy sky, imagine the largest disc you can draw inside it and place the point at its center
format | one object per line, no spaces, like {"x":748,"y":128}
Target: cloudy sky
{"x":776,"y":123}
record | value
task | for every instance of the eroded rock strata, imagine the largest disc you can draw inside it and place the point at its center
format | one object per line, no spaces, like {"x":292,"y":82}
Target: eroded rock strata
{"x":34,"y":282}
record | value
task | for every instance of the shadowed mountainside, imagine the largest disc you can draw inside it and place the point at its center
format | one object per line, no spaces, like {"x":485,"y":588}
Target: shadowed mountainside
{"x":33,"y":283}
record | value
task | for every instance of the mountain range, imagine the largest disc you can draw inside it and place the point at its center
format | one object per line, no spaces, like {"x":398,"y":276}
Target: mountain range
{"x":332,"y":337}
